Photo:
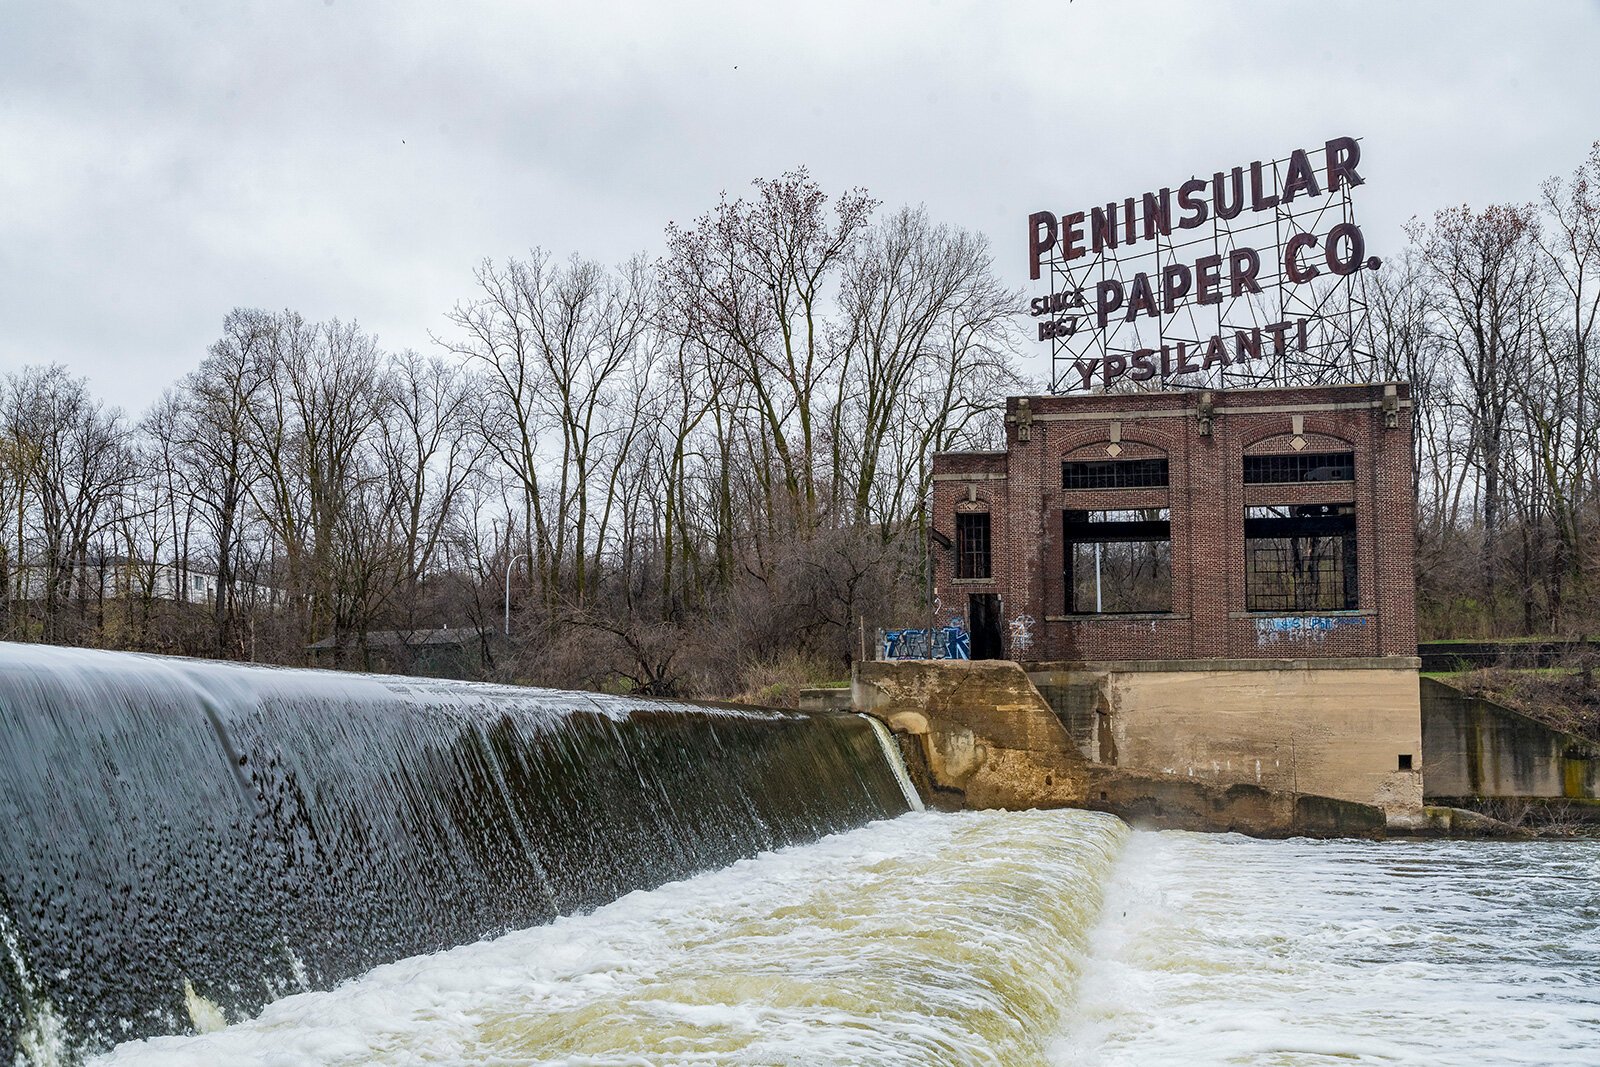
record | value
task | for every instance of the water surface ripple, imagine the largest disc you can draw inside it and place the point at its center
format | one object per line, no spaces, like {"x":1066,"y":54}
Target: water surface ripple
{"x":1037,"y":938}
{"x":1228,"y":950}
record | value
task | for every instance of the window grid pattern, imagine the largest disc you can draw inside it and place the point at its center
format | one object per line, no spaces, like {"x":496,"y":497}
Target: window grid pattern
{"x":972,"y":545}
{"x":1300,"y":467}
{"x":1302,"y":561}
{"x":1114,"y":474}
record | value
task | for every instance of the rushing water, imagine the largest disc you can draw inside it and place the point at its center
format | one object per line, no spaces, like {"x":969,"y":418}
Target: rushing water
{"x":182,"y":842}
{"x":1039,"y":938}
{"x":1227,"y":950}
{"x":189,"y":845}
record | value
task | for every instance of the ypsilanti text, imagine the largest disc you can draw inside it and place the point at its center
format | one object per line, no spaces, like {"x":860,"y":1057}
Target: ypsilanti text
{"x":1191,"y":270}
{"x":1180,"y":358}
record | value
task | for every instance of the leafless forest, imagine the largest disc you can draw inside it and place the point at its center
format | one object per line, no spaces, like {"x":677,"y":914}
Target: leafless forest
{"x":708,"y":474}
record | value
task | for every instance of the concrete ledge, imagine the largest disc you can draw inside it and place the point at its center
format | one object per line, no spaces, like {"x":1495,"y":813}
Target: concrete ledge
{"x":1212,"y":666}
{"x":1340,"y":614}
{"x":825,"y":698}
{"x":1138,"y":616}
{"x":1166,"y":802}
{"x":1442,"y":821}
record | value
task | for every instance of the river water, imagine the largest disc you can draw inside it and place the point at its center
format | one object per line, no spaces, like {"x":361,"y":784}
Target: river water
{"x":1046,"y":938}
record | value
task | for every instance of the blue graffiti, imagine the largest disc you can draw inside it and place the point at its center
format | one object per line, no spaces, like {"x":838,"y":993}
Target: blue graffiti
{"x":949,"y":642}
{"x":1302,"y":627}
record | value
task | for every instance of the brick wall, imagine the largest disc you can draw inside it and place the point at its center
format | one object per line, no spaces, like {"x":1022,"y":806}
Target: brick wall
{"x":1021,"y":489}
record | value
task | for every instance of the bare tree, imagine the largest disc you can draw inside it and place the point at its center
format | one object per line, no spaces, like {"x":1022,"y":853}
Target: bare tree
{"x":750,"y":281}
{"x":1562,"y":407}
{"x":927,"y":335}
{"x":311,"y":421}
{"x":205,"y":433}
{"x":560,"y":346}
{"x":1484,"y":273}
{"x":430,"y":453}
{"x":77,"y":459}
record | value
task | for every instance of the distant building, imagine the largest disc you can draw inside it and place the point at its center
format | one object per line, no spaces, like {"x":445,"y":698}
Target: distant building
{"x":126,"y":578}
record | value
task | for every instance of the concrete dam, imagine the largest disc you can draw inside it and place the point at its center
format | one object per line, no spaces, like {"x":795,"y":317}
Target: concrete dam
{"x":205,"y":863}
{"x":182,"y":841}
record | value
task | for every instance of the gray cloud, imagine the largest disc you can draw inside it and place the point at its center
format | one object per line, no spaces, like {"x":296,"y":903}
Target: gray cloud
{"x":356,"y":159}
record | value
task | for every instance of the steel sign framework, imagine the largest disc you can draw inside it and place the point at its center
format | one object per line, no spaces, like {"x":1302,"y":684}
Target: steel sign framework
{"x":1255,"y":276}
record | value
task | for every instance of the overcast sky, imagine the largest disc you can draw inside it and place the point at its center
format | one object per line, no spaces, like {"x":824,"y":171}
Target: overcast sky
{"x":163,"y":163}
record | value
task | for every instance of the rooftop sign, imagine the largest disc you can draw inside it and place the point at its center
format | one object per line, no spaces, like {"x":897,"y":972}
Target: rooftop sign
{"x":1251,"y":275}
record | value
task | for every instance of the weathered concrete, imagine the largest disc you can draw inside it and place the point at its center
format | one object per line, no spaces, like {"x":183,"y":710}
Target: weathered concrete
{"x":1333,"y":728}
{"x":1461,"y":822}
{"x":980,"y":735}
{"x":1475,"y":748}
{"x":985,"y":737}
{"x":1172,"y":803}
{"x":825,"y":698}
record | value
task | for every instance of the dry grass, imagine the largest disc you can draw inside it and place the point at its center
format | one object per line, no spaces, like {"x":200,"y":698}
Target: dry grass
{"x":1548,"y":818}
{"x":777,"y":683}
{"x":1563,"y":698}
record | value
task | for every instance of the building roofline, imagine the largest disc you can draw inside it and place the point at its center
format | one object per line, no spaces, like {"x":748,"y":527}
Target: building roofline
{"x":1197,"y":389}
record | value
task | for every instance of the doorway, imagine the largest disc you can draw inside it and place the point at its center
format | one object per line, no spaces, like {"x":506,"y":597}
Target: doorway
{"x":983,"y":619}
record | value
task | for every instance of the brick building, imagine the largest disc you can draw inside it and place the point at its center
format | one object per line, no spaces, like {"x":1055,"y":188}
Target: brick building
{"x":1221,"y":524}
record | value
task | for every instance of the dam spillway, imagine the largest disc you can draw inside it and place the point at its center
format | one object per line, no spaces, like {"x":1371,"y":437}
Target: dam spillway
{"x":183,"y":841}
{"x":1002,"y":939}
{"x":826,"y":924}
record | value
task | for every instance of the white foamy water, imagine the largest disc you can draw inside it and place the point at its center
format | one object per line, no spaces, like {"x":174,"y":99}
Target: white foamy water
{"x":981,"y":938}
{"x":1227,"y":950}
{"x":928,"y":939}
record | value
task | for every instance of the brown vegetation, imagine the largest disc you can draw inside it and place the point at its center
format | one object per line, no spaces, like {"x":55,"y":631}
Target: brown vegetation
{"x":1563,"y":698}
{"x":704,"y":475}
{"x":709,"y":474}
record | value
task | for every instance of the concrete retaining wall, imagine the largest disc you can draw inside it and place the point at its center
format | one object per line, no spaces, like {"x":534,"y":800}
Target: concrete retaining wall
{"x":1477,"y":748}
{"x":1335,"y":728}
{"x":980,"y":735}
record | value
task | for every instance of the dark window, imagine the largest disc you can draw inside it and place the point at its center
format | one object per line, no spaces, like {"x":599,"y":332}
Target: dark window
{"x":1300,"y":558}
{"x":972,"y":545}
{"x":1117,"y":562}
{"x":983,"y":621}
{"x":1301,"y":467}
{"x":1405,"y":761}
{"x":1114,"y":474}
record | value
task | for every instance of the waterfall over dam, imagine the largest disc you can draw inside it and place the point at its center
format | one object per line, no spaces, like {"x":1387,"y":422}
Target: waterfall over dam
{"x":206,"y":864}
{"x":183,"y":841}
{"x":1000,"y":939}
